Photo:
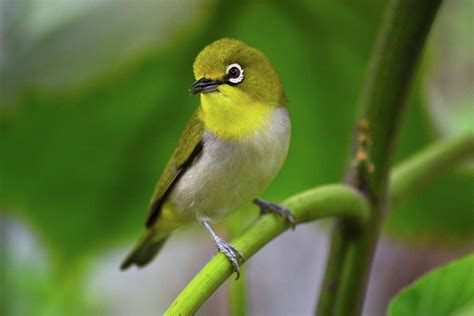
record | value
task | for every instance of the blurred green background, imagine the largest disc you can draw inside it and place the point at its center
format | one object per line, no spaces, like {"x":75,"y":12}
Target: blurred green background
{"x":93,"y":98}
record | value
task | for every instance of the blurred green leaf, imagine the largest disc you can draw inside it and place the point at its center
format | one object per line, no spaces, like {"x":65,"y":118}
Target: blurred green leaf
{"x":445,"y":291}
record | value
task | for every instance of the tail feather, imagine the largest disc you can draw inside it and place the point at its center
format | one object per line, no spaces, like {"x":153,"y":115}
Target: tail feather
{"x":145,"y":250}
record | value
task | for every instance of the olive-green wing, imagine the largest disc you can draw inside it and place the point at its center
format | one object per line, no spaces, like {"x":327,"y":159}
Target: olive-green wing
{"x":187,"y":152}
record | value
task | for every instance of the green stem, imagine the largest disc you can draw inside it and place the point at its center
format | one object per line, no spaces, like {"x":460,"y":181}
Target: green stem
{"x":399,"y":45}
{"x":422,"y":167}
{"x":327,"y":201}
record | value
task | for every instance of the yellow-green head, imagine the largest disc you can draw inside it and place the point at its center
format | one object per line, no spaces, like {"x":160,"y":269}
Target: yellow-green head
{"x":239,"y":87}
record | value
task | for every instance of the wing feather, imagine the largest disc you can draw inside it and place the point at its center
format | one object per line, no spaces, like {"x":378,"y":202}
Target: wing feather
{"x":187,"y":152}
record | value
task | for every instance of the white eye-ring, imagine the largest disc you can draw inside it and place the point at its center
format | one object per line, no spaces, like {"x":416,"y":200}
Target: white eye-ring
{"x":235,"y":73}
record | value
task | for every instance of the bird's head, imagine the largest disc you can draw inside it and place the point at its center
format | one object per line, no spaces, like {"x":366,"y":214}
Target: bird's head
{"x":230,"y":68}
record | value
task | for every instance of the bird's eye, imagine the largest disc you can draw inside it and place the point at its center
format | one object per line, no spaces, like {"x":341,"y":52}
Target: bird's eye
{"x":235,"y":73}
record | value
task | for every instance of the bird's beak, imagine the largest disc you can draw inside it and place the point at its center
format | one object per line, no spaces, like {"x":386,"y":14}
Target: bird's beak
{"x":204,"y":85}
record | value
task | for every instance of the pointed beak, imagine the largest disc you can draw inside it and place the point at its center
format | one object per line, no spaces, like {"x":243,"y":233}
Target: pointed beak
{"x":204,"y":85}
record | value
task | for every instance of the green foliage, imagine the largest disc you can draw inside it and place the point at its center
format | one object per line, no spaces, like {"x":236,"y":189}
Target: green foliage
{"x":81,"y":163}
{"x":445,"y":291}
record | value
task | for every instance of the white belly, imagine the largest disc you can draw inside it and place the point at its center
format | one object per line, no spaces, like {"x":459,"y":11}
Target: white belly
{"x":230,"y":174}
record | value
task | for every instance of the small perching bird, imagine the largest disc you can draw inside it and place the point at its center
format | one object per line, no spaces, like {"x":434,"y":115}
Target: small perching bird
{"x":230,"y":151}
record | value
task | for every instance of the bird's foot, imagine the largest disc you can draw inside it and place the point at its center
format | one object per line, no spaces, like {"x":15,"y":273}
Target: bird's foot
{"x":268,"y":207}
{"x":232,"y":253}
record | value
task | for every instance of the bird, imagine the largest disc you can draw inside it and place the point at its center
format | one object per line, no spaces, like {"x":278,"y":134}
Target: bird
{"x":230,"y":151}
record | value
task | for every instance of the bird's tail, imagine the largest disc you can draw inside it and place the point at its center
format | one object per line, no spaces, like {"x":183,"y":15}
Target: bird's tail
{"x":145,"y":250}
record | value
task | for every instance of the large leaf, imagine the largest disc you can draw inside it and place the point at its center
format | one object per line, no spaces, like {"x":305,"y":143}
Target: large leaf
{"x":445,"y":291}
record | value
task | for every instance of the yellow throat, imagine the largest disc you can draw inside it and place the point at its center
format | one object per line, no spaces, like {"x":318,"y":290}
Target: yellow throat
{"x":232,"y":114}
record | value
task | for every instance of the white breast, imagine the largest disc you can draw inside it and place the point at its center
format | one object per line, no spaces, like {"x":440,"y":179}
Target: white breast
{"x":230,"y":174}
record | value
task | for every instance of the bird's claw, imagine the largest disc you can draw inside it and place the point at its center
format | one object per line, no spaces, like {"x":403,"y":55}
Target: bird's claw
{"x":232,"y":253}
{"x":268,"y":207}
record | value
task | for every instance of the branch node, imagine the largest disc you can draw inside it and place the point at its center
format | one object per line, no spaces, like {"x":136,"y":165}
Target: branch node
{"x":362,"y":163}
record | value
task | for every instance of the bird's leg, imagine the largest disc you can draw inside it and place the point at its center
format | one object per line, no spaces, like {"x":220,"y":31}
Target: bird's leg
{"x":268,"y":207}
{"x":232,"y":253}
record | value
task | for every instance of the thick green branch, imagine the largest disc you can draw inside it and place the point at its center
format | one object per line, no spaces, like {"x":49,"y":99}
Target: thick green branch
{"x":400,"y":42}
{"x":326,"y":201}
